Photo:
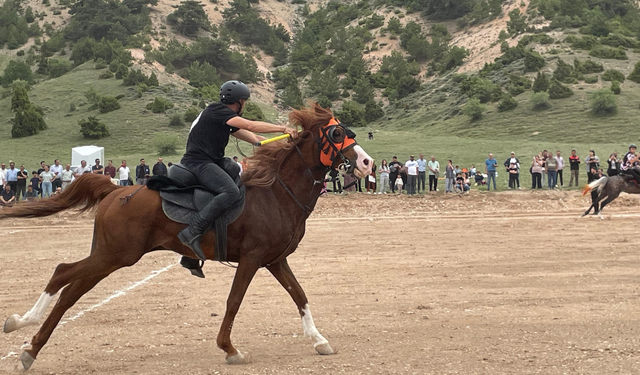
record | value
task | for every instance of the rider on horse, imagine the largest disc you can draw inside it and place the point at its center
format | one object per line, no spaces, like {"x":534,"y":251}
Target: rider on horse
{"x":208,"y":137}
{"x":629,"y":161}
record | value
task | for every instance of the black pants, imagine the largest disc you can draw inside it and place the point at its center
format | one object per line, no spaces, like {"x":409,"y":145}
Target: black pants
{"x":514,"y":180}
{"x":536,"y":178}
{"x":55,"y":184}
{"x":392,"y":181}
{"x":21,"y":189}
{"x":336,"y":180}
{"x":559,"y":178}
{"x":421,"y":180}
{"x":612,"y":172}
{"x":433,"y":182}
{"x":634,"y":173}
{"x":14,"y":185}
{"x":217,"y":180}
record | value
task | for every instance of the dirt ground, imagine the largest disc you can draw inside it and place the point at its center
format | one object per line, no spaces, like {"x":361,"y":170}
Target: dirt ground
{"x":506,"y":283}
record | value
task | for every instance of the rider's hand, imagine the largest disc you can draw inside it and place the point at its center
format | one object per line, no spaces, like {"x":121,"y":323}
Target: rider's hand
{"x":291,"y":131}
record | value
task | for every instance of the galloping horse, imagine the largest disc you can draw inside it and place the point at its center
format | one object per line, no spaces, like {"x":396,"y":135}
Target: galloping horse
{"x":269,"y":229}
{"x":608,"y":189}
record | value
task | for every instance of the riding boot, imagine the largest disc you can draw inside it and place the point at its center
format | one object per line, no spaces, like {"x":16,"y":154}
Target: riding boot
{"x":191,"y":235}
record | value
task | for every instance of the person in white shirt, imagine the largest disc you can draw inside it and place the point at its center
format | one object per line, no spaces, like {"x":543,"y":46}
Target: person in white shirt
{"x":82,"y":169}
{"x":123,"y":173}
{"x":560,"y":160}
{"x":3,"y":175}
{"x":412,"y":175}
{"x":66,"y":176}
{"x":422,"y":171}
{"x":235,"y":158}
{"x":434,"y":171}
{"x":56,"y":168}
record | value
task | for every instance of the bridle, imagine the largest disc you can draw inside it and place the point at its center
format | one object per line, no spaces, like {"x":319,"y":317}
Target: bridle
{"x":334,"y":139}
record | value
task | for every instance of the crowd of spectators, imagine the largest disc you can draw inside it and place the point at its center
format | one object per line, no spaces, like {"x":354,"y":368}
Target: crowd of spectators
{"x":48,"y":180}
{"x":410,"y":177}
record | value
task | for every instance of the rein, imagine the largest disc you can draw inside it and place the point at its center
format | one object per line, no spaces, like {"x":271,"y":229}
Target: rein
{"x":305,"y":208}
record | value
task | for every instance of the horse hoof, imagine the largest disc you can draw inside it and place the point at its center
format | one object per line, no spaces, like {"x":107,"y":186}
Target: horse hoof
{"x":238,"y":359}
{"x":324,"y":349}
{"x":27,"y":360}
{"x":11,"y":324}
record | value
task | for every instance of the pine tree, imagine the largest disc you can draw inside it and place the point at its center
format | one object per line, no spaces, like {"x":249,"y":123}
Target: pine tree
{"x":28,"y":119}
{"x":19,"y":98}
{"x":153,"y":80}
{"x":635,"y":75}
{"x":541,"y":83}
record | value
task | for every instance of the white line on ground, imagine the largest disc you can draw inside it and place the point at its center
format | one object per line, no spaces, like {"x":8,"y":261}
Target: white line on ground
{"x":113,"y":296}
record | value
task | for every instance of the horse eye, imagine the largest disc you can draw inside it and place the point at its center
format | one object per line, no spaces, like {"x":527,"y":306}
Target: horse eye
{"x":338,"y":135}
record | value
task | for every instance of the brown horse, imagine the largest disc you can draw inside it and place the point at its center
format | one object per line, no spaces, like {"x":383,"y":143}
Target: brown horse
{"x":283,"y":183}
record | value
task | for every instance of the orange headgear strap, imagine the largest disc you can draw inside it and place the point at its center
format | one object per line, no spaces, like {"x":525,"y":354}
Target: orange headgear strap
{"x":329,"y":148}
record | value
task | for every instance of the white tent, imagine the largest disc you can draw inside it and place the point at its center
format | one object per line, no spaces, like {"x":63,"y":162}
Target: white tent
{"x":88,"y":154}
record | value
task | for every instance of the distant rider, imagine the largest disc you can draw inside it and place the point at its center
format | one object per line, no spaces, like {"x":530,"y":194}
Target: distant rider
{"x":629,"y":161}
{"x":204,"y":156}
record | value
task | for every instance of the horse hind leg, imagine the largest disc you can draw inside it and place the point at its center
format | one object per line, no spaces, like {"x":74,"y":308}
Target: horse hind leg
{"x":282,"y":272}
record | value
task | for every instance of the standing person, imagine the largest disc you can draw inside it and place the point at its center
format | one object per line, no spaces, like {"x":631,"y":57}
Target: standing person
{"x":40,"y":170}
{"x":593,"y":163}
{"x":98,"y":168}
{"x":544,"y":156}
{"x":142,"y":173}
{"x":23,"y":176}
{"x":66,"y":176}
{"x":7,"y":197}
{"x":159,"y":169}
{"x":574,"y":166}
{"x":422,"y":171}
{"x":123,"y":173}
{"x":384,"y":177}
{"x":46,"y":177}
{"x":12,"y":176}
{"x":614,"y":165}
{"x":335,"y":178}
{"x":235,"y":158}
{"x":412,"y":175}
{"x":398,"y":184}
{"x":552,"y":172}
{"x":490,"y":166}
{"x":629,"y":161}
{"x":109,"y":170}
{"x":514,"y":177}
{"x":370,"y":182}
{"x":3,"y":175}
{"x":82,"y":169}
{"x":394,"y":168}
{"x":536,"y":173}
{"x":35,"y":182}
{"x":434,"y":172}
{"x":56,"y":168}
{"x":560,"y":160}
{"x":449,"y":176}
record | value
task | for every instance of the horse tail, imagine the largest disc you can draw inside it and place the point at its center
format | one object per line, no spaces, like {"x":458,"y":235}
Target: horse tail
{"x":597,"y":184}
{"x":84,"y":193}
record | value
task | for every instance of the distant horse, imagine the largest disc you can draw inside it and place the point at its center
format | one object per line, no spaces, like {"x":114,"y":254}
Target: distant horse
{"x":283,"y":185}
{"x":608,"y":189}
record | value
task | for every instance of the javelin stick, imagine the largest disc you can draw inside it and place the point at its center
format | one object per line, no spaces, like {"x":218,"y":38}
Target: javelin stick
{"x":262,"y":143}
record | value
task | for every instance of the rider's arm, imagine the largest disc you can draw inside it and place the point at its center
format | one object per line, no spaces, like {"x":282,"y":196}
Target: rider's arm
{"x":248,"y":136}
{"x":260,"y":126}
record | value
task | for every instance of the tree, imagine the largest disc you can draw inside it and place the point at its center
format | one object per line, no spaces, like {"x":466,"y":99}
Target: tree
{"x":253,"y":112}
{"x":635,"y":75}
{"x":372,"y":111}
{"x":292,"y":96}
{"x":28,"y":119}
{"x":507,"y":103}
{"x":352,"y":114}
{"x":107,"y":104}
{"x":540,"y":100}
{"x":166,"y":144}
{"x":615,"y":87}
{"x":517,"y":22}
{"x":159,"y":105}
{"x":153,"y":80}
{"x":58,"y":67}
{"x":603,"y":102}
{"x":363,"y":91}
{"x":17,"y":70}
{"x":19,"y":97}
{"x":191,"y":114}
{"x":613,"y":75}
{"x":541,"y":83}
{"x":93,"y":129}
{"x":394,"y":26}
{"x":474,"y":109}
{"x":559,"y":91}
{"x":176,"y":120}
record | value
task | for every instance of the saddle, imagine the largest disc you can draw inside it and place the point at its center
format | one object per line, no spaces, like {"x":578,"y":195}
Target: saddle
{"x":182,"y":198}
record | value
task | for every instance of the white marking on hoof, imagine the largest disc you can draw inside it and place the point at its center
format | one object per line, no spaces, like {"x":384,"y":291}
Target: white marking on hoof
{"x":11,"y":324}
{"x":324,"y":349}
{"x":238,"y":359}
{"x":27,"y":360}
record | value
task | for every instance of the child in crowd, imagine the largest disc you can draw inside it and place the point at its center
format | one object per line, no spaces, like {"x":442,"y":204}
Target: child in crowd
{"x":34,"y":182}
{"x":399,"y":184}
{"x":460,"y":184}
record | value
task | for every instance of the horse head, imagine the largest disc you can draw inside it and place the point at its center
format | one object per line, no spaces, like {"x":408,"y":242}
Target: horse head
{"x":335,"y":142}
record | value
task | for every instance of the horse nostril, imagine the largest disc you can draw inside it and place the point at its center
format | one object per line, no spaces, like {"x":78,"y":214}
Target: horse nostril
{"x":365,"y":161}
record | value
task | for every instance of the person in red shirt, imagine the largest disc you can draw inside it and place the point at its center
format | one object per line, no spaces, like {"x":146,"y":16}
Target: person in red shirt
{"x":110,"y":170}
{"x":574,"y":165}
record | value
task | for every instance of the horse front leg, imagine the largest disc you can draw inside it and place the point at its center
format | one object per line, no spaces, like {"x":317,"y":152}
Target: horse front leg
{"x":285,"y":277}
{"x":244,"y":274}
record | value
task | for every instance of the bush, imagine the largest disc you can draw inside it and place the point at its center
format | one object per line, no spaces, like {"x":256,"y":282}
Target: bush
{"x":93,"y":129}
{"x":635,"y":75}
{"x":72,"y":107}
{"x":474,"y":109}
{"x":540,"y":100}
{"x":591,"y":79}
{"x":176,"y":120}
{"x":608,"y":53}
{"x":16,"y":70}
{"x":159,"y":105}
{"x":559,"y":91}
{"x":508,"y":103}
{"x":603,"y":102}
{"x":613,"y":75}
{"x":191,"y":114}
{"x":615,"y":88}
{"x":541,"y":83}
{"x":253,"y":112}
{"x":166,"y":144}
{"x":106,"y":75}
{"x":107,"y":104}
{"x":372,"y":111}
{"x":352,"y":114}
{"x":590,"y":66}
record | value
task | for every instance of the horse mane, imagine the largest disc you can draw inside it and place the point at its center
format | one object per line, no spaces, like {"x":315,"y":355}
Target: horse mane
{"x":266,"y":162}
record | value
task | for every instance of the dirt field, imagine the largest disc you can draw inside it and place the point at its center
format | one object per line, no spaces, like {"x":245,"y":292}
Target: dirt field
{"x":507,"y":283}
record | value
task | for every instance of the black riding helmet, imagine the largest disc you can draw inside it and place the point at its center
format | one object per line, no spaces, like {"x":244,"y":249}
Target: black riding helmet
{"x":232,"y":91}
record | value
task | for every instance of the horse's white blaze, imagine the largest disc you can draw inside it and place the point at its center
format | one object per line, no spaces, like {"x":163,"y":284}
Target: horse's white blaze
{"x":362,"y":169}
{"x":33,"y":316}
{"x":309,"y":327}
